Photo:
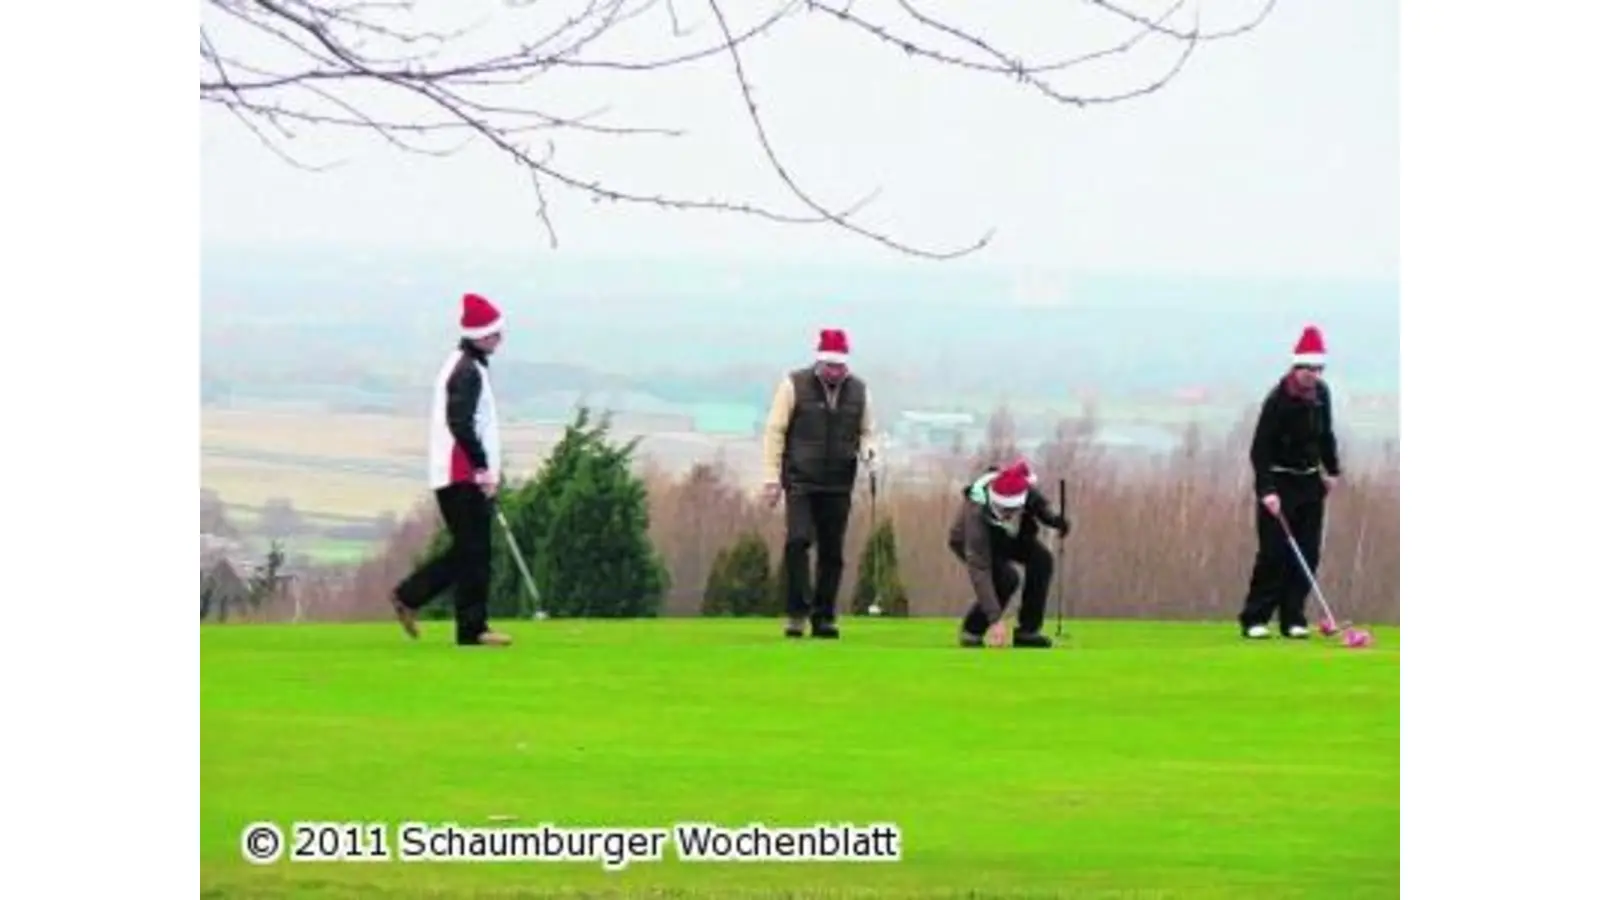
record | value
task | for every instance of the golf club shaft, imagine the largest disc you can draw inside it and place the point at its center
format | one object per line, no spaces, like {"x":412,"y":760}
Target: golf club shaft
{"x":1306,"y":568}
{"x":516,"y":553}
{"x":872,"y":534}
{"x":1061,"y":541}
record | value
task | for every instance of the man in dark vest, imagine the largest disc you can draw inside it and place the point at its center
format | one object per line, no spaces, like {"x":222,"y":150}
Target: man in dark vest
{"x":819,"y":431}
{"x":1296,"y":462}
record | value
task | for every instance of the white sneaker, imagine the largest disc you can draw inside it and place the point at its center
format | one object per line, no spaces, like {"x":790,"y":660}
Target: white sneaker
{"x":1257,"y":632}
{"x":1299,"y":632}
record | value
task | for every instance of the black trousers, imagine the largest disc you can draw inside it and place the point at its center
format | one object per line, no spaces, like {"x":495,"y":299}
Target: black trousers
{"x":1038,"y":567}
{"x":464,"y":565}
{"x":820,"y":518}
{"x":1277,"y":583}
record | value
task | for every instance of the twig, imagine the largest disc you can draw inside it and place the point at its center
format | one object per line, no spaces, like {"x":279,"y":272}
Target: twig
{"x":783,"y":173}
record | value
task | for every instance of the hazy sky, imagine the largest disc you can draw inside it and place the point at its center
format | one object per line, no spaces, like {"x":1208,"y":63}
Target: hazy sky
{"x":1272,"y":154}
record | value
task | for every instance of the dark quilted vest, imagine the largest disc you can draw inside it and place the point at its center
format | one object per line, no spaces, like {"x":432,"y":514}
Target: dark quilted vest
{"x":820,"y":451}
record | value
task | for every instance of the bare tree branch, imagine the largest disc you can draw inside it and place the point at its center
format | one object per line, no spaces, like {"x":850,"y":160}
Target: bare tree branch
{"x":284,"y":68}
{"x":788,"y":180}
{"x":1013,"y":65}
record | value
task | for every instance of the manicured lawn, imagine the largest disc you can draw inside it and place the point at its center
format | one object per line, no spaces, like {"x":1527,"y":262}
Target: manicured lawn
{"x":1141,"y":759}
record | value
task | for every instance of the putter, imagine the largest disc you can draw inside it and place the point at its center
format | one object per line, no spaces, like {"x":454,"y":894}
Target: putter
{"x":1306,"y":568}
{"x":1061,"y":546}
{"x":1328,"y":626}
{"x":522,"y":564}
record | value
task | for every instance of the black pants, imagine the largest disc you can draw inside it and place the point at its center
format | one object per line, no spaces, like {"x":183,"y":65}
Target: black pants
{"x":1277,"y":583}
{"x":464,"y":565}
{"x":1038,"y":567}
{"x":820,"y":518}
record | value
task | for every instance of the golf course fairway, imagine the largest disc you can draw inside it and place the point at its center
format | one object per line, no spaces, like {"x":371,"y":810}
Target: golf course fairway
{"x":1135,"y":759}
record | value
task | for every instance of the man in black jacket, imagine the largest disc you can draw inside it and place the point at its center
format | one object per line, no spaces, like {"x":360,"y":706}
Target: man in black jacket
{"x":1295,"y":457}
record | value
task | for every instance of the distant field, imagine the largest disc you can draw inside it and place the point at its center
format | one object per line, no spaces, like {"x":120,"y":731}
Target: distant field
{"x":393,"y":439}
{"x":251,"y":515}
{"x":359,"y":436}
{"x":353,"y":465}
{"x":1145,"y":760}
{"x":333,"y":551}
{"x":310,"y":489}
{"x":363,"y":465}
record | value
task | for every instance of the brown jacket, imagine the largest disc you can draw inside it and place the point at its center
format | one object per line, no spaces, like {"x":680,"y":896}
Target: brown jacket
{"x":973,"y":538}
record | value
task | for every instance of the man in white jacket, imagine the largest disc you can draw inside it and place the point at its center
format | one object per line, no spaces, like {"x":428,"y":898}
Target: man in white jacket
{"x":463,"y":470}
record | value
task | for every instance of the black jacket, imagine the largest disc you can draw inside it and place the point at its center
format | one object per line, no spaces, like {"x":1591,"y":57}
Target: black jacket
{"x":1293,"y":437}
{"x":462,"y":390}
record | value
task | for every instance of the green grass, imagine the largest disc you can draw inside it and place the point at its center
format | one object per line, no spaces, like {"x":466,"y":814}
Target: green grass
{"x":1141,"y":760}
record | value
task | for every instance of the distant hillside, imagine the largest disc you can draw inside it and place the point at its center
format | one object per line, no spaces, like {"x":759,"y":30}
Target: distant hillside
{"x":373,"y":325}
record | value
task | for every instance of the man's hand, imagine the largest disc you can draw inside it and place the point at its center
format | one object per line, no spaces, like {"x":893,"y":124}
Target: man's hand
{"x":996,"y":635}
{"x":1273,"y":504}
{"x":1329,"y":482}
{"x":486,"y":482}
{"x":772,"y":491}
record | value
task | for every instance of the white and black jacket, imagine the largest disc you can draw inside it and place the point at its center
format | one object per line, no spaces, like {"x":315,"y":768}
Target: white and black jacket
{"x":464,"y":431}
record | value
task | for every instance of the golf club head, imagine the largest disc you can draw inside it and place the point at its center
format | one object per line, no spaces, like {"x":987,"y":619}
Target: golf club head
{"x":1356,"y":638}
{"x":1328,"y":627}
{"x":874,"y":610}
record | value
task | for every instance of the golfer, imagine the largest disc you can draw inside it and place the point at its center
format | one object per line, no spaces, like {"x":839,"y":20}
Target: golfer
{"x":463,"y":471}
{"x":988,"y":537}
{"x":1296,"y":461}
{"x":819,"y":431}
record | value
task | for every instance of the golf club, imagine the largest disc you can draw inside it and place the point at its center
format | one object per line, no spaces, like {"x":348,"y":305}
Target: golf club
{"x":872,"y":532}
{"x":1061,"y":546}
{"x":1328,"y":626}
{"x":522,"y":565}
{"x":1330,"y":620}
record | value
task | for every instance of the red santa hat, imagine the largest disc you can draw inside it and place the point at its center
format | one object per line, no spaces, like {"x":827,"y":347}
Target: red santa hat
{"x":1027,"y":471}
{"x":1310,"y":350}
{"x":1009,"y":489}
{"x":479,"y":317}
{"x":833,"y":346}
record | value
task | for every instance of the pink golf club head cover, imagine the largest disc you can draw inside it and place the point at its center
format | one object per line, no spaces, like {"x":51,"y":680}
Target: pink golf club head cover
{"x":1328,"y":627}
{"x":1356,"y":637}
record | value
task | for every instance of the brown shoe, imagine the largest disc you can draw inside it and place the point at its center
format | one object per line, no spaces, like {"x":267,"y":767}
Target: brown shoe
{"x":406,"y":615}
